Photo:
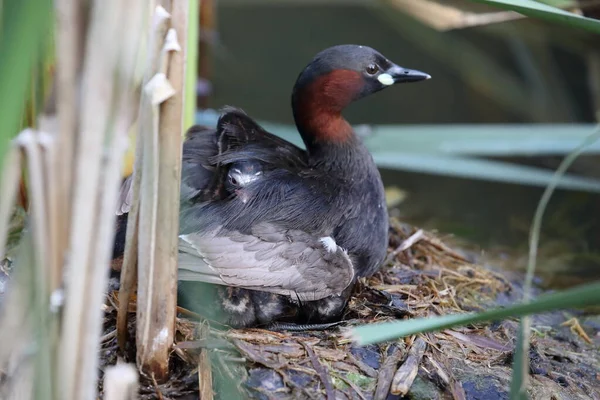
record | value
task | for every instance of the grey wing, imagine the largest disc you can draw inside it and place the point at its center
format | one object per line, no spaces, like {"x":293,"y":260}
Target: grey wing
{"x":285,"y":262}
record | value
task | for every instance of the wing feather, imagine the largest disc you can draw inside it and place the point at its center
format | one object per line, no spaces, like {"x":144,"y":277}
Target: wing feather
{"x":299,"y":266}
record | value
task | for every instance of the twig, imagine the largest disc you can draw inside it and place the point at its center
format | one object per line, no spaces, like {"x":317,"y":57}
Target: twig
{"x":406,"y":374}
{"x":437,"y":243}
{"x":369,"y":371}
{"x":386,"y":373}
{"x":406,"y":244}
{"x":353,"y":385}
{"x":576,"y":328}
{"x":323,"y":375}
{"x":156,"y":388}
{"x":108,"y":336}
{"x":457,"y":391}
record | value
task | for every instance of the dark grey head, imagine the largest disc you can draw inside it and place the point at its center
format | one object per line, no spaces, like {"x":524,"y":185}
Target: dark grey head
{"x":362,"y":69}
{"x":336,"y":77}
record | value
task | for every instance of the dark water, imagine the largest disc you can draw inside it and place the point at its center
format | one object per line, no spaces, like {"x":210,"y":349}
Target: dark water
{"x":494,"y":219}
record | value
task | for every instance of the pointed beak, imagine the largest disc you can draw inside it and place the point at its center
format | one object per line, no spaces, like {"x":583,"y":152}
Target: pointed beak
{"x":397,"y":74}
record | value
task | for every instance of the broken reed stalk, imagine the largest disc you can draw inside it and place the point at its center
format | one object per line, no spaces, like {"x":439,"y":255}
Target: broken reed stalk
{"x":105,"y":104}
{"x":157,"y":287}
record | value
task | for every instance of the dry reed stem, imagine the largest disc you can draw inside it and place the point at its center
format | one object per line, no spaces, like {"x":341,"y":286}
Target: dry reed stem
{"x":79,"y":370}
{"x":163,"y":302}
{"x":387,"y":372}
{"x":70,"y":36}
{"x":205,"y":376}
{"x":11,"y":175}
{"x":37,"y":286}
{"x":132,"y":13}
{"x":121,"y":382}
{"x":16,"y":365}
{"x":28,"y":140}
{"x":26,"y":309}
{"x":96,"y":184}
{"x":129,"y":267}
{"x":152,"y":344}
{"x":44,"y":325}
{"x":128,"y":278}
{"x":48,"y":132}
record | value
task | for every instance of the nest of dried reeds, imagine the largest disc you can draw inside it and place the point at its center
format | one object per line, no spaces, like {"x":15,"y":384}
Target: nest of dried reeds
{"x":422,"y":276}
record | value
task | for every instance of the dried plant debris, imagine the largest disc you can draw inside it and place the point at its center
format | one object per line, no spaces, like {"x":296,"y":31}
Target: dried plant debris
{"x":422,"y":277}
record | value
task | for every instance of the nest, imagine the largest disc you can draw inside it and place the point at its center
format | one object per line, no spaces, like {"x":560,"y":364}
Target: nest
{"x":422,"y":277}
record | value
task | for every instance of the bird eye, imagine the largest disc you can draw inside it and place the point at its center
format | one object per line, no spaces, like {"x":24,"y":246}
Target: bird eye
{"x":372,"y":69}
{"x":232,"y":180}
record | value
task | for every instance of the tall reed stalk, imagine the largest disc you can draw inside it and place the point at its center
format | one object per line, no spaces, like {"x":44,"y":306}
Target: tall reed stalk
{"x":73,"y":159}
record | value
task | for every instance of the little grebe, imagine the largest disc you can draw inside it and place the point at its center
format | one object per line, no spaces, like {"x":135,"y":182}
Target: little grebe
{"x":284,"y":231}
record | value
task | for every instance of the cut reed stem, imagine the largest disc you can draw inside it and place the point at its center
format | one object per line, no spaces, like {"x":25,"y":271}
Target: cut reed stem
{"x":152,"y":344}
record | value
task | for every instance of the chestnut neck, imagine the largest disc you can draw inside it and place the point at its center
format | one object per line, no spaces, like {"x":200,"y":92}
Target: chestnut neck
{"x":318,"y":103}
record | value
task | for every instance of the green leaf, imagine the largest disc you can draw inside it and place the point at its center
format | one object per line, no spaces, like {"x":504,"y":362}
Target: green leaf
{"x":457,"y":139}
{"x":488,"y":170}
{"x":444,"y":150}
{"x":24,"y":29}
{"x":581,"y":296}
{"x":559,"y":3}
{"x":543,"y":11}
